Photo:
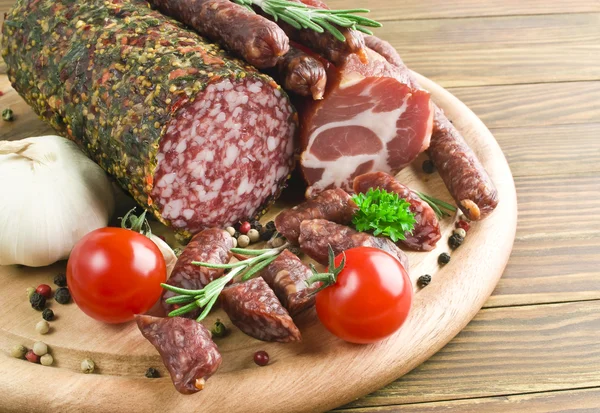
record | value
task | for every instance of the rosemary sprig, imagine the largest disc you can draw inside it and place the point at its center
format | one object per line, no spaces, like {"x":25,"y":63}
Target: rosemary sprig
{"x":301,"y":16}
{"x":439,"y":207}
{"x":207,"y":296}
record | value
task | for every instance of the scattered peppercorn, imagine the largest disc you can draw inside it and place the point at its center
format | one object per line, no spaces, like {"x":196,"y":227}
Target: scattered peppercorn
{"x":30,"y":291}
{"x":236,"y":234}
{"x":44,"y":290}
{"x":270,"y":225}
{"x":42,"y":327}
{"x":8,"y":115}
{"x":261,"y":358}
{"x":62,"y":295}
{"x":231,"y":230}
{"x":295,"y":250}
{"x":40,"y":348}
{"x":266,"y":234}
{"x":46,"y":360}
{"x":32,"y":357}
{"x":253,"y":235}
{"x":37,"y":301}
{"x":18,"y":351}
{"x":455,"y":241}
{"x":60,"y":279}
{"x":463,"y":224}
{"x":48,"y":314}
{"x":424,"y":280}
{"x":234,"y":242}
{"x":219,"y":329}
{"x":152,"y":373}
{"x":243,"y":241}
{"x":245,"y":227}
{"x":460,"y":232}
{"x":428,"y":167}
{"x":256,"y":225}
{"x":444,"y":258}
{"x":87,"y":366}
{"x":277,"y":242}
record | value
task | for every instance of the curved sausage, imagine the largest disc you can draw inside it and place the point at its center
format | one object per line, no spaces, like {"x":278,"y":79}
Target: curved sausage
{"x":186,"y":349}
{"x":287,"y":277}
{"x":426,"y":232}
{"x":302,"y":74}
{"x":318,"y":234}
{"x":258,"y":40}
{"x":253,"y":308}
{"x":463,"y":174}
{"x":211,"y":245}
{"x":333,"y":205}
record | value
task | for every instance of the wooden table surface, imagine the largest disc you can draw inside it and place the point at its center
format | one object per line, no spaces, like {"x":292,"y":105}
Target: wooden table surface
{"x":530,"y":69}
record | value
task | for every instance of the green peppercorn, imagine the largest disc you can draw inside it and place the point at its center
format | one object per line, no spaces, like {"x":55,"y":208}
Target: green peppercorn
{"x":424,"y":280}
{"x":48,"y":314}
{"x":62,"y":295}
{"x":60,"y":279}
{"x":18,"y":351}
{"x":455,"y":241}
{"x":444,"y":258}
{"x":7,"y":114}
{"x":152,"y":373}
{"x":219,"y":329}
{"x":37,"y":301}
{"x":30,"y":291}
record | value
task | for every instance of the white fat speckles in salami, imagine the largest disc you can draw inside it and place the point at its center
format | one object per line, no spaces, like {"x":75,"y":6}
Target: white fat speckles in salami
{"x":225,"y":155}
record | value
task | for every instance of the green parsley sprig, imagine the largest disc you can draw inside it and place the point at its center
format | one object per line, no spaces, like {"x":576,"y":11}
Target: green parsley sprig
{"x":383,"y":213}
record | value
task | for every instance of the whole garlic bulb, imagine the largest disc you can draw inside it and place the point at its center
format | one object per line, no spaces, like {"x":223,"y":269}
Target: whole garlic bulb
{"x":51,"y":195}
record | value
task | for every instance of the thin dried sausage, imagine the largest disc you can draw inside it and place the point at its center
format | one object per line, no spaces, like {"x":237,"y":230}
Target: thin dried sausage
{"x":426,"y":232}
{"x":333,"y":205}
{"x":186,"y":349}
{"x":253,"y":308}
{"x":302,"y":74}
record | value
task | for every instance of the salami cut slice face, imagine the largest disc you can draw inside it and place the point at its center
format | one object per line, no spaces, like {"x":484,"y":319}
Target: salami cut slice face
{"x":224,"y":156}
{"x":253,"y":308}
{"x":186,"y":348}
{"x":369,"y":120}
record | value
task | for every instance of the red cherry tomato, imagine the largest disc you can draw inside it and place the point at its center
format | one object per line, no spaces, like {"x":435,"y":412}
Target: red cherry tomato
{"x":115,"y":273}
{"x":371,"y":298}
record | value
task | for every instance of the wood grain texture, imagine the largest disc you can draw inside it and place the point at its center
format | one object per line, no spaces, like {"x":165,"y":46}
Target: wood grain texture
{"x":500,"y":50}
{"x":507,"y":350}
{"x":438,"y":313}
{"x":568,"y":401}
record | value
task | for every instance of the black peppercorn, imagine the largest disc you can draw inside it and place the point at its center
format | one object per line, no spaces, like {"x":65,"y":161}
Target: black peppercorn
{"x":236,"y":234}
{"x":428,"y":167}
{"x":37,"y":301}
{"x":152,"y":373}
{"x":444,"y":258}
{"x":266,"y":234}
{"x":424,"y":280}
{"x":270,"y":225}
{"x":219,"y":329}
{"x":62,"y":295}
{"x":455,"y":241}
{"x":48,"y":314}
{"x":60,"y":279}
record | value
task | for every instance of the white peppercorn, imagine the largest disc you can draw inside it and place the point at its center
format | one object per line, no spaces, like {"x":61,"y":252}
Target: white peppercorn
{"x":243,"y":241}
{"x":460,"y":232}
{"x":40,"y":348}
{"x":231,"y":230}
{"x":42,"y":327}
{"x":276,"y":242}
{"x":254,"y":236}
{"x":46,"y":360}
{"x":234,"y":242}
{"x":87,"y":366}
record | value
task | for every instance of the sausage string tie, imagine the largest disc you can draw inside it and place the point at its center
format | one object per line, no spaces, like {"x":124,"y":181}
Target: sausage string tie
{"x":206,"y":297}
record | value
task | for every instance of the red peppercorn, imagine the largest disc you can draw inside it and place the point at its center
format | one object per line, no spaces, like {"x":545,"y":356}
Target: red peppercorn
{"x":44,"y":290}
{"x":261,"y":358}
{"x":32,"y":357}
{"x":245,"y":227}
{"x":464,"y":225}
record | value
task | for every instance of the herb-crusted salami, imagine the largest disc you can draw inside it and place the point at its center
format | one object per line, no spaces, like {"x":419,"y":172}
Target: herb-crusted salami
{"x":186,"y":348}
{"x":196,"y":136}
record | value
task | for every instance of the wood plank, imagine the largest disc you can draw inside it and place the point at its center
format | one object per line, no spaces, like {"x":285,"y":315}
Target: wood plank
{"x":569,"y":401}
{"x":551,"y":150}
{"x":533,"y":105}
{"x":385,"y":10}
{"x":500,"y":50}
{"x":507,"y":350}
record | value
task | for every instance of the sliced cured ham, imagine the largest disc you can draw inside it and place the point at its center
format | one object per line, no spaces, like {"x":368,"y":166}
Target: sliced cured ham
{"x":369,"y":120}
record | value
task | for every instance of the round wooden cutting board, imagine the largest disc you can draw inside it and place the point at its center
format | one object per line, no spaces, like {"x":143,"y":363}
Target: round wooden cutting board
{"x":317,"y":374}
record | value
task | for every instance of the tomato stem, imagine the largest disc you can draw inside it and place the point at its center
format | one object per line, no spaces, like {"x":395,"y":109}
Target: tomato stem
{"x":327,"y":278}
{"x":136,"y":224}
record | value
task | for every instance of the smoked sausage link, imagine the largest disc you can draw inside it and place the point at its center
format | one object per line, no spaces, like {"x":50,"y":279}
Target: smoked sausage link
{"x":426,"y":232}
{"x":333,"y":205}
{"x":256,"y":39}
{"x":302,"y":74}
{"x":186,"y":349}
{"x":318,"y":234}
{"x":253,"y":308}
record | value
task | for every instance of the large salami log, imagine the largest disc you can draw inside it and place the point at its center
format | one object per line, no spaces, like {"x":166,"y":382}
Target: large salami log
{"x":186,"y":348}
{"x":195,"y":135}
